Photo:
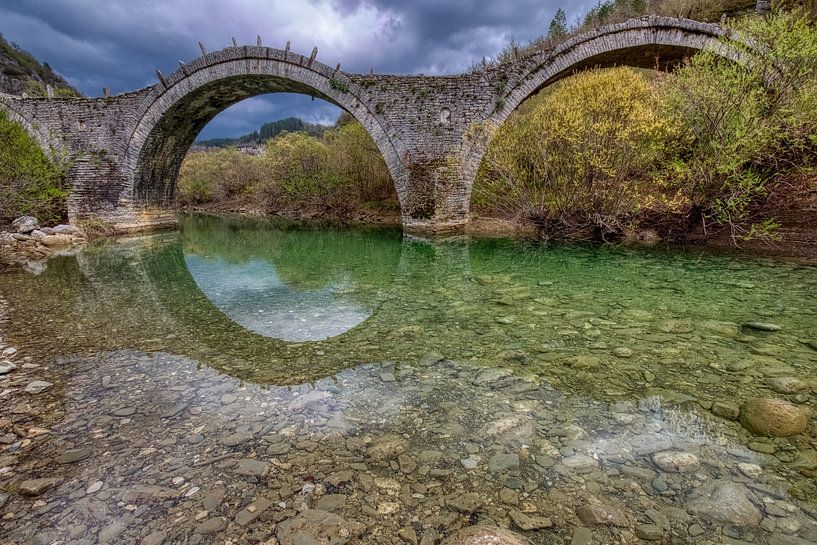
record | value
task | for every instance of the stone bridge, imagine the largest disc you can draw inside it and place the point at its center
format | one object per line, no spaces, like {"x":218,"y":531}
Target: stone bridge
{"x":125,"y":151}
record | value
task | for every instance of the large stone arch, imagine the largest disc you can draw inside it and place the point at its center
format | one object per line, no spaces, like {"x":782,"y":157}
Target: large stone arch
{"x":661,"y":43}
{"x":174,"y":112}
{"x":14,"y":107}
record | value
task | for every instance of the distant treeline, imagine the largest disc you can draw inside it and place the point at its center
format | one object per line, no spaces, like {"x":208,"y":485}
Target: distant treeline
{"x":267,"y":131}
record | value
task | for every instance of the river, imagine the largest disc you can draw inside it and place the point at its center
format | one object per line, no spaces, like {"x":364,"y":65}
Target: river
{"x":241,"y":381}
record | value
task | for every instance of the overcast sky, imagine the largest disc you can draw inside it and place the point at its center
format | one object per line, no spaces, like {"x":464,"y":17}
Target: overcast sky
{"x":120,"y":43}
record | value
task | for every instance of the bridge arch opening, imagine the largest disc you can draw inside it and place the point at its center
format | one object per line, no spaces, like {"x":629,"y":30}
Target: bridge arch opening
{"x":653,"y":43}
{"x":176,"y":111}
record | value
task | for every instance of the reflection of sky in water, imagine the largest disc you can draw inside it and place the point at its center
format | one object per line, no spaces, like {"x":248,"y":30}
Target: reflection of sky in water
{"x":252,"y":295}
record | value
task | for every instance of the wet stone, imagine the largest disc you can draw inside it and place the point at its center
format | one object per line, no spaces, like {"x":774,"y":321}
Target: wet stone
{"x":762,"y":326}
{"x":331,"y":502}
{"x":725,"y":502}
{"x":528,"y":522}
{"x":211,"y":526}
{"x":726,"y":409}
{"x":773,"y":417}
{"x":649,"y":532}
{"x":482,"y":534}
{"x":235,"y":439}
{"x":676,"y":462}
{"x":111,"y":532}
{"x":581,"y":536}
{"x":387,"y":447}
{"x":503,"y":462}
{"x":786,"y":385}
{"x":409,"y":535}
{"x":123,"y":412}
{"x":467,"y":503}
{"x":252,"y":468}
{"x":600,"y":514}
{"x":154,"y":538}
{"x":252,"y":511}
{"x":36,"y":487}
{"x":38,"y":387}
{"x":74,"y":455}
{"x":315,"y":526}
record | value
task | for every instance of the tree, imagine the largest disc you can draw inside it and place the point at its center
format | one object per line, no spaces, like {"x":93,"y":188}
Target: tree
{"x":558,"y":26}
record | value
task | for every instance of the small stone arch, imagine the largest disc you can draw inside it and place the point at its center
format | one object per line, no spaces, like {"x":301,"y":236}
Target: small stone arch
{"x":174,"y":112}
{"x":651,"y":42}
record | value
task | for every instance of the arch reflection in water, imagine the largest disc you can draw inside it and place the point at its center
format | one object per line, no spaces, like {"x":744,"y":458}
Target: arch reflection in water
{"x":253,"y":296}
{"x":268,"y":283}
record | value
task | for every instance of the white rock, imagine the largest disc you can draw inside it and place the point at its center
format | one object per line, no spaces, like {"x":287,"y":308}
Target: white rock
{"x":676,"y":462}
{"x":752,"y":471}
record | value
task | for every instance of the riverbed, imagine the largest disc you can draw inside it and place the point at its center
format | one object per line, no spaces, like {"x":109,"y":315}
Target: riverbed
{"x":249,"y":381}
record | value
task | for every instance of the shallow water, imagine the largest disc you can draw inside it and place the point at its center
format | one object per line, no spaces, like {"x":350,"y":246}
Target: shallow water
{"x":228,"y":377}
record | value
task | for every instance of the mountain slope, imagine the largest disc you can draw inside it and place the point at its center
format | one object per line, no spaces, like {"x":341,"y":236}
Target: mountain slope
{"x":21,"y":73}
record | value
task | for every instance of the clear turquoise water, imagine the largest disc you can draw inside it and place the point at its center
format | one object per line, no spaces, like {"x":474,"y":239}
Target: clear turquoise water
{"x":626,"y":345}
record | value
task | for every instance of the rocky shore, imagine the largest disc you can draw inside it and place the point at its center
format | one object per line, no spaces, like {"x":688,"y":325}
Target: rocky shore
{"x":28,"y":242}
{"x":146,"y":449}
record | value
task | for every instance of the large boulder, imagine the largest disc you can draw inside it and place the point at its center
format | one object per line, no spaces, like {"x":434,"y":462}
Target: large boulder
{"x":316,"y":527}
{"x":53,"y":241}
{"x":773,"y":417}
{"x":485,"y":535}
{"x":25,"y":224}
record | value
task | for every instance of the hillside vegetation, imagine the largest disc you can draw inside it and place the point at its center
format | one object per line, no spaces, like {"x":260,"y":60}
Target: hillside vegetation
{"x":21,"y":73}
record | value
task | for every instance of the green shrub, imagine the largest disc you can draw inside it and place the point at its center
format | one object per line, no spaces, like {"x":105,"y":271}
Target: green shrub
{"x":30,"y":183}
{"x":571,"y":159}
{"x":747,"y":124}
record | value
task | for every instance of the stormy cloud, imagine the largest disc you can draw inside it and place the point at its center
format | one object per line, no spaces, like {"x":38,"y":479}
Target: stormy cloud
{"x":120,"y":43}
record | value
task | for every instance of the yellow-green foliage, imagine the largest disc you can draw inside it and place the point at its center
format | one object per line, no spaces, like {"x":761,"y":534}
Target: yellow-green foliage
{"x":577,"y":150}
{"x":217,"y":175}
{"x":30,"y":183}
{"x":340,"y":170}
{"x":299,"y":165}
{"x":604,"y":149}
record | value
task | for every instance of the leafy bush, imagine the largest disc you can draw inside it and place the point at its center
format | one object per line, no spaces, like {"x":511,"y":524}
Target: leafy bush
{"x":336,"y":173}
{"x":747,"y":124}
{"x":30,"y":183}
{"x":217,"y":175}
{"x":569,"y":162}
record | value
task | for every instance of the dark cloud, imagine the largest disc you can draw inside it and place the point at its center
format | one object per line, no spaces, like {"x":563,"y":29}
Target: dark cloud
{"x":120,"y":43}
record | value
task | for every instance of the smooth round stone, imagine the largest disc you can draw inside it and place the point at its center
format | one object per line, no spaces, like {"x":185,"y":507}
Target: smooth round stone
{"x":772,"y":417}
{"x":786,"y":385}
{"x":6,"y":368}
{"x":676,"y":462}
{"x":94,"y":488}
